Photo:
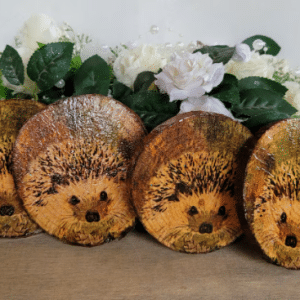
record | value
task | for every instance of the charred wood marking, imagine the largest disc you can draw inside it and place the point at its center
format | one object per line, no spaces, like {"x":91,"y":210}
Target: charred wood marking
{"x":69,"y":163}
{"x":193,"y":174}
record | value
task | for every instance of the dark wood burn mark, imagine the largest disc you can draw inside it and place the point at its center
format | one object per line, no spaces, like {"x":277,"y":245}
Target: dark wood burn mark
{"x":182,"y":188}
{"x":159,"y":208}
{"x":51,"y":191}
{"x":126,"y":148}
{"x":173,"y":198}
{"x":109,"y":238}
{"x":39,"y":203}
{"x":57,"y":179}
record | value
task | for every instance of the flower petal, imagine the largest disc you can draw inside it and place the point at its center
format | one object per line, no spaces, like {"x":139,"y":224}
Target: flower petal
{"x":205,"y":103}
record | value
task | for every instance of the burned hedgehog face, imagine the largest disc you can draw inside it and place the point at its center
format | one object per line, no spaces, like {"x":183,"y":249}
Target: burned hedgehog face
{"x":276,"y":215}
{"x":78,"y":192}
{"x":191,"y":203}
{"x":14,"y":221}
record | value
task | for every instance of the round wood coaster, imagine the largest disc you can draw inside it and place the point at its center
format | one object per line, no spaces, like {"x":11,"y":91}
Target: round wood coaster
{"x":185,"y":181}
{"x":71,"y":165}
{"x":272,"y":193}
{"x":14,"y":221}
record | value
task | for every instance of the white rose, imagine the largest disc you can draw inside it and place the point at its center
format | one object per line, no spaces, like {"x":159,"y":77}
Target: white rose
{"x":293,"y":94}
{"x":29,"y":86}
{"x":205,"y":103}
{"x":189,"y":75}
{"x":258,"y":65}
{"x":131,"y":62}
{"x":39,"y":28}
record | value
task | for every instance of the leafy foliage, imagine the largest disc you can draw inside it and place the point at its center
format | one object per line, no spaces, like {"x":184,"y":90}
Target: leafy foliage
{"x":227,"y":91}
{"x":219,"y":54}
{"x":143,"y":81}
{"x":12,"y":66}
{"x":49,"y":64}
{"x":273,"y":47}
{"x":263,"y":83}
{"x":256,"y":100}
{"x":92,"y":77}
{"x":152,"y":107}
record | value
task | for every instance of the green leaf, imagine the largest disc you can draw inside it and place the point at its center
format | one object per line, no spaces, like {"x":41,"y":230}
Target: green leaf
{"x":263,"y":119}
{"x":256,"y":101}
{"x":12,"y":66}
{"x":41,"y":45}
{"x":153,"y":108}
{"x":254,"y":82}
{"x":50,"y":63}
{"x":273,"y":47}
{"x":228,"y":90}
{"x":143,"y":81}
{"x":92,"y":77}
{"x":75,"y":63}
{"x":9,"y":93}
{"x":2,"y":93}
{"x":219,"y":54}
{"x":2,"y":88}
{"x":120,"y":90}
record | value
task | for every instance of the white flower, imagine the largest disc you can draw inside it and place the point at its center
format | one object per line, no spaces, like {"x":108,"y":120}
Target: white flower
{"x":258,"y":65}
{"x":131,"y":62}
{"x":29,"y":86}
{"x":39,"y":28}
{"x":293,"y":94}
{"x":189,"y":75}
{"x":242,"y":53}
{"x":205,"y":103}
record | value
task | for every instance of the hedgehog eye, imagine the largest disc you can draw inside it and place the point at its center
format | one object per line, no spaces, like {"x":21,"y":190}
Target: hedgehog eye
{"x":193,"y":211}
{"x":222,"y":211}
{"x":74,"y":200}
{"x":283,"y":217}
{"x":103,"y":196}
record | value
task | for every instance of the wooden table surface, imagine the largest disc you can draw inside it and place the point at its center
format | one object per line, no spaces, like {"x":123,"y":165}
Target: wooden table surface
{"x":137,"y":267}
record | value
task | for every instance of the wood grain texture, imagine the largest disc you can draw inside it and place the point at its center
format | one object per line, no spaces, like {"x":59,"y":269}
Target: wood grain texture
{"x":14,"y":221}
{"x":71,"y":165}
{"x":271,"y":193}
{"x":185,"y":182}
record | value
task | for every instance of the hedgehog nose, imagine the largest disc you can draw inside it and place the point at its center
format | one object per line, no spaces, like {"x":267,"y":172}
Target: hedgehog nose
{"x":92,"y":216}
{"x":291,"y":241}
{"x":205,"y":228}
{"x":7,"y":210}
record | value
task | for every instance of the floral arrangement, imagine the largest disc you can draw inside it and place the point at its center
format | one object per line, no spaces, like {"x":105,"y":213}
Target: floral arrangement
{"x":246,"y":82}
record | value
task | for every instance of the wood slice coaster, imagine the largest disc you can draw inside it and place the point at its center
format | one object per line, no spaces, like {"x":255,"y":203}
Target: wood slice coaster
{"x":184,"y":185}
{"x":14,"y":221}
{"x":71,"y":165}
{"x":272,"y":193}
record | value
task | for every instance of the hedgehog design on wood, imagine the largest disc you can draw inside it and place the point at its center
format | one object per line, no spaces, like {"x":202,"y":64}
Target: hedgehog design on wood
{"x":14,"y":221}
{"x":76,"y":191}
{"x":194,"y":194}
{"x":272,"y":193}
{"x":76,"y":185}
{"x":185,"y":191}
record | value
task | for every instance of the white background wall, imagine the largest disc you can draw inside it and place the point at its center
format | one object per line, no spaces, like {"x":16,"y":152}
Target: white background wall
{"x":115,"y":21}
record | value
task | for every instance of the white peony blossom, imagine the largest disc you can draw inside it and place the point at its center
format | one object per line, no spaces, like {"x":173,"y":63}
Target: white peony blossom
{"x":39,"y":28}
{"x":293,"y":95}
{"x":131,"y":62}
{"x":189,"y":75}
{"x":242,"y":53}
{"x":205,"y":103}
{"x":29,"y":86}
{"x":258,"y":65}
